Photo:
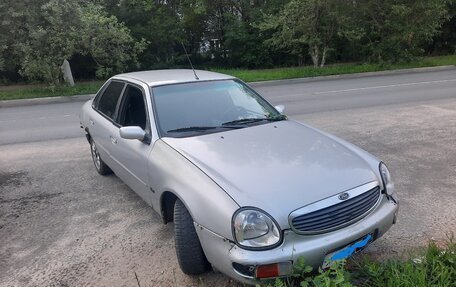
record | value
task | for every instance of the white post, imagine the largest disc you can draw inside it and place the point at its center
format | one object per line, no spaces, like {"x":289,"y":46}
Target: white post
{"x":67,"y":75}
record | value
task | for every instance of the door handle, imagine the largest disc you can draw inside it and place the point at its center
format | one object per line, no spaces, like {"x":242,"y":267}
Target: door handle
{"x":113,"y":140}
{"x":91,"y":122}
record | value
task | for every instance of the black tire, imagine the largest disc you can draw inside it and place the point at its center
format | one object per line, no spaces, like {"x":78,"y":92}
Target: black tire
{"x":190,"y":254}
{"x":99,"y":164}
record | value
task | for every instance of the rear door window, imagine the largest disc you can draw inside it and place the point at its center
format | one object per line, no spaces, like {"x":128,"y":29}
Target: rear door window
{"x":107,"y":103}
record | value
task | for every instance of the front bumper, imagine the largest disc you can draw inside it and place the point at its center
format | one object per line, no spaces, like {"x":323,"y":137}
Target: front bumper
{"x":222,"y":253}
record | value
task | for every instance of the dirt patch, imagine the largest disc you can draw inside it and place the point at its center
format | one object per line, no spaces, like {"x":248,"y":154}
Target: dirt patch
{"x":14,"y":179}
{"x":34,"y":199}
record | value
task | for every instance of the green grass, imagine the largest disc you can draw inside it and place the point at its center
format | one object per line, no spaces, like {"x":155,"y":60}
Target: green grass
{"x":38,"y":91}
{"x":433,"y":266}
{"x":308,"y":71}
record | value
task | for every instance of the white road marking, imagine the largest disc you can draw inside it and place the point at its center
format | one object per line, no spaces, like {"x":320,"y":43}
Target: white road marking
{"x":386,"y":86}
{"x":50,"y":118}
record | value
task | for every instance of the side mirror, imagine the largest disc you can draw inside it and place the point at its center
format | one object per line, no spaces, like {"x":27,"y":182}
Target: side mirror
{"x":132,"y":133}
{"x":280,"y":108}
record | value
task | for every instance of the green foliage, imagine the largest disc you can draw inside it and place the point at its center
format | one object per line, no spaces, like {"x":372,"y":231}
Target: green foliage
{"x":386,"y":31}
{"x":112,"y":36}
{"x":108,"y":42}
{"x":436,"y":267}
{"x":158,"y":24}
{"x":40,"y":91}
{"x":21,"y":92}
{"x":303,"y":276}
{"x":244,"y":46}
{"x":13,"y":31}
{"x":51,"y":39}
{"x":309,"y":71}
{"x":444,"y":42}
{"x":397,"y":30}
{"x":335,"y":276}
{"x":310,"y":26}
{"x":39,"y":35}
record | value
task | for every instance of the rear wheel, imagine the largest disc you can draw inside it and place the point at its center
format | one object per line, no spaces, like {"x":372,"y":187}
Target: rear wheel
{"x":190,"y":254}
{"x":100,"y":166}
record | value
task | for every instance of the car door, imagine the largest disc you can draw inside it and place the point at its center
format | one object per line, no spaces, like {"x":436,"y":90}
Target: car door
{"x":133,"y":155}
{"x":102,"y":125}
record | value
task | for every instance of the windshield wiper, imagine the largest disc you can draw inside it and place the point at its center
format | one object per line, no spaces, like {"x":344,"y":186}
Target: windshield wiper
{"x":255,"y":120}
{"x":276,"y":118}
{"x":236,"y":124}
{"x":244,"y":121}
{"x":191,"y":129}
{"x":202,"y":128}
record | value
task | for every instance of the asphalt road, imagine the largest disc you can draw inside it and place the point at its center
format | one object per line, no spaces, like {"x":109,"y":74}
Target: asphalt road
{"x":57,"y":121}
{"x":61,"y":224}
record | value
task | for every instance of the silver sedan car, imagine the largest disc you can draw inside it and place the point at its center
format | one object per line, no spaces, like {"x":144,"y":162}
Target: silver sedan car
{"x":249,"y":190}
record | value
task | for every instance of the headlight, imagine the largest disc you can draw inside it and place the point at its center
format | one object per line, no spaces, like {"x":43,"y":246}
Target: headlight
{"x":255,"y":229}
{"x":386,"y":177}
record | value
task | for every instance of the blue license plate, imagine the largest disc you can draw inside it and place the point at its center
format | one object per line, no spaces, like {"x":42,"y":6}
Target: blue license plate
{"x":347,"y":251}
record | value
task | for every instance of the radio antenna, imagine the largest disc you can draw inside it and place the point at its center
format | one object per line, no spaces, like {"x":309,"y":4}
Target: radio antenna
{"x":190,"y":61}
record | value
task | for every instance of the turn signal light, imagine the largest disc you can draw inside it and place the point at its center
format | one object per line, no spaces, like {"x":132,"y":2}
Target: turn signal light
{"x":273,"y":270}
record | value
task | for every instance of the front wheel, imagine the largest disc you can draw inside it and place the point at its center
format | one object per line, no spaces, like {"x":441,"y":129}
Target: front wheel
{"x":190,"y":254}
{"x":100,"y":166}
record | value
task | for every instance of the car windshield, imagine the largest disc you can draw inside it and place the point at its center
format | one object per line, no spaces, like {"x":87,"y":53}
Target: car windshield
{"x":190,"y":109}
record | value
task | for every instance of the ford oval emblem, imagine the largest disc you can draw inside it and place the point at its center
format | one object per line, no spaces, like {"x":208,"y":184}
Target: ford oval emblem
{"x":344,"y":196}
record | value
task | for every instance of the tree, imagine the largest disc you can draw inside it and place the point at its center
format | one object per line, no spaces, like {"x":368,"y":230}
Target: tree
{"x":40,"y":34}
{"x":444,"y":41}
{"x":158,"y":23}
{"x":309,"y":25}
{"x":14,"y":17}
{"x":51,"y":38}
{"x":398,"y":30}
{"x":243,"y":41}
{"x":112,"y":36}
{"x":194,"y":24}
{"x":234,"y":37}
{"x":107,"y":41}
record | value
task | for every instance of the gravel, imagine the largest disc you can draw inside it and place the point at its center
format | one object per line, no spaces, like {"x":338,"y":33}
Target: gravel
{"x":61,"y":224}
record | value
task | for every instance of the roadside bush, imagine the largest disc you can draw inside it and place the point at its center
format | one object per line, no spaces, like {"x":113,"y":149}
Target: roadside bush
{"x":435,"y":266}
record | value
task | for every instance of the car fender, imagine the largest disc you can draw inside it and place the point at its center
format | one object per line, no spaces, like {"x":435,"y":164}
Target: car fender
{"x":209,"y":205}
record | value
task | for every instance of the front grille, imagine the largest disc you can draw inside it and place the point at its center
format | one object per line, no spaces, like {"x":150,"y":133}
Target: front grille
{"x":337,"y":215}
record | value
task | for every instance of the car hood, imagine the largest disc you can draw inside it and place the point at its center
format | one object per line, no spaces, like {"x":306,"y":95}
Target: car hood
{"x":278,"y":167}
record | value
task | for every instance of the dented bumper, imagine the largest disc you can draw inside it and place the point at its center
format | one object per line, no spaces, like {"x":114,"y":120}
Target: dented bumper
{"x":240,"y":264}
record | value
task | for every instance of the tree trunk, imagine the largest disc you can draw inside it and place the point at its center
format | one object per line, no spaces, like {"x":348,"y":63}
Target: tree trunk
{"x":300,"y":60}
{"x":323,"y":56}
{"x":314,"y":53}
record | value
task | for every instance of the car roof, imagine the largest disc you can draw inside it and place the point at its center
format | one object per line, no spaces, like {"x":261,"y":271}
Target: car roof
{"x":172,"y":76}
